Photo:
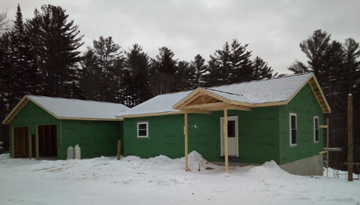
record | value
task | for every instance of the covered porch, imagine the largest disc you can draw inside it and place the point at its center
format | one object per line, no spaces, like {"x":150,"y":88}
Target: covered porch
{"x":202,"y":101}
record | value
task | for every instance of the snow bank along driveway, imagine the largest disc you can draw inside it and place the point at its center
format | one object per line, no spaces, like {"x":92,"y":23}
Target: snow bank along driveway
{"x":161,"y":180}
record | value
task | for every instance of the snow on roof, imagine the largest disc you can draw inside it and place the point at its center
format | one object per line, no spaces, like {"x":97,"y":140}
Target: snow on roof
{"x":262,"y":91}
{"x":73,"y":108}
{"x":159,"y":104}
{"x":254,"y":92}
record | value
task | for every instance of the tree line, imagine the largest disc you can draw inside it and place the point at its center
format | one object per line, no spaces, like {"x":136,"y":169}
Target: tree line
{"x":40,"y":56}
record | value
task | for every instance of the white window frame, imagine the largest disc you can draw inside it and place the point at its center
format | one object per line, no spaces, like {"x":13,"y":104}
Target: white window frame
{"x":147,"y":129}
{"x":290,"y":130}
{"x":316,"y":117}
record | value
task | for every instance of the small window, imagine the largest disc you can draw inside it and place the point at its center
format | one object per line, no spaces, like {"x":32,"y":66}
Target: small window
{"x":293,"y":129}
{"x":316,"y":129}
{"x":142,"y":129}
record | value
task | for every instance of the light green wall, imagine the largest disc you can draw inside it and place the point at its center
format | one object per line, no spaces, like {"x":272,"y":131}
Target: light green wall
{"x":305,"y":105}
{"x":31,"y":116}
{"x":258,"y":135}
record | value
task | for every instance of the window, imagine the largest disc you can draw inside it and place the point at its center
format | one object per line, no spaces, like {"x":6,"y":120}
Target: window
{"x":316,"y":129}
{"x":142,"y":129}
{"x":231,"y":128}
{"x":293,"y":128}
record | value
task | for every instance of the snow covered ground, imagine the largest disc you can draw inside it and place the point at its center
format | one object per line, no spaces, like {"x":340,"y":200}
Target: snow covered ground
{"x":161,"y":180}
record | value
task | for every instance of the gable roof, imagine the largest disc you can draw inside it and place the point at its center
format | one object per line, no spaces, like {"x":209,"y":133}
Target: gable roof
{"x":62,"y":108}
{"x":260,"y":93}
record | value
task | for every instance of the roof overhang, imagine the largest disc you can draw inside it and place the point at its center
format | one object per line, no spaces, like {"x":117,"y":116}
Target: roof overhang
{"x":26,"y":99}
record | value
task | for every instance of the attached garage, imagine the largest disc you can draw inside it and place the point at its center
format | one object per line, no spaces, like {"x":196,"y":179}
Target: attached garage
{"x":44,"y":127}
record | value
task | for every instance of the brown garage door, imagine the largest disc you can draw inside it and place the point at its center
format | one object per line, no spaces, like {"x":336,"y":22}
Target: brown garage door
{"x":47,"y":141}
{"x":21,"y":142}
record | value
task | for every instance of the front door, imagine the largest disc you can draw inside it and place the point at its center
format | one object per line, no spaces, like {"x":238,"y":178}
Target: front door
{"x":233,"y":136}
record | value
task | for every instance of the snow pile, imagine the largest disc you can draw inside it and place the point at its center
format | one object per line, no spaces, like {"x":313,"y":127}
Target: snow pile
{"x":269,"y":170}
{"x":133,"y":180}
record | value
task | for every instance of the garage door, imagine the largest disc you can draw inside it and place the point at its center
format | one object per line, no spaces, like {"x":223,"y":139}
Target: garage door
{"x":21,"y":142}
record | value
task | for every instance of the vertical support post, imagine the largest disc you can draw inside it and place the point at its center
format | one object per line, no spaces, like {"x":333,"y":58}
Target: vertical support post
{"x":350,"y":138}
{"x":13,"y":142}
{"x":118,"y":149}
{"x":226,"y":143}
{"x":186,"y":142}
{"x":37,"y":142}
{"x":327,"y":145}
{"x":30,"y":147}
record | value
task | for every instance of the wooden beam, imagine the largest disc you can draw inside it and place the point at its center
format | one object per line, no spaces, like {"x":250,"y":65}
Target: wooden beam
{"x":198,"y":111}
{"x":186,"y":142}
{"x":204,"y":106}
{"x":118,"y":149}
{"x":238,"y":107}
{"x":327,"y":145}
{"x":350,"y":138}
{"x":196,"y":100}
{"x":323,"y":126}
{"x":30,"y":147}
{"x":12,"y":142}
{"x":226,"y":141}
{"x":37,"y":142}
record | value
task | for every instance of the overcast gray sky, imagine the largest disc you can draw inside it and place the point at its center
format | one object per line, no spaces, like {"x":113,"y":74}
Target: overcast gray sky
{"x":273,"y":29}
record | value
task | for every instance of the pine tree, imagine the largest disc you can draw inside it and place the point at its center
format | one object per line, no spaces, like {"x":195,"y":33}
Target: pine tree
{"x":135,"y":77}
{"x":163,"y":69}
{"x":109,"y":63}
{"x":59,"y":40}
{"x":232,"y":64}
{"x":260,"y":69}
{"x":91,"y":73}
{"x":199,"y":71}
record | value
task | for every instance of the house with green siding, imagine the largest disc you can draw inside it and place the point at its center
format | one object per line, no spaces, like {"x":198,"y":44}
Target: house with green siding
{"x":47,"y":126}
{"x":245,"y":123}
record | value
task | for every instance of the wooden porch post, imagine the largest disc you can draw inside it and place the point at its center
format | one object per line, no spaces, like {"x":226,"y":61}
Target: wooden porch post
{"x":327,"y":145}
{"x":12,"y":142}
{"x":186,"y":142}
{"x":30,"y":147}
{"x":226,"y":145}
{"x":37,"y":142}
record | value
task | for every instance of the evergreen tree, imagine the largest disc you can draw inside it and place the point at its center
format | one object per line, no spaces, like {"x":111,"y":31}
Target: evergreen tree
{"x":135,"y":77}
{"x":105,"y":60}
{"x":90,"y":81}
{"x":59,"y":40}
{"x":199,"y":71}
{"x":185,"y":76}
{"x":21,"y":59}
{"x":261,"y":70}
{"x":163,"y":69}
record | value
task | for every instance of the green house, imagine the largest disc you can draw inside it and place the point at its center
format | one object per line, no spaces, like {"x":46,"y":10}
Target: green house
{"x":45,"y":127}
{"x":246,"y":123}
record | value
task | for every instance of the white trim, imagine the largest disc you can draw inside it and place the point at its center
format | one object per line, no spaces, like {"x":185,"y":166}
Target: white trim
{"x":316,"y":117}
{"x":234,"y":118}
{"x":290,"y":130}
{"x":147,"y":130}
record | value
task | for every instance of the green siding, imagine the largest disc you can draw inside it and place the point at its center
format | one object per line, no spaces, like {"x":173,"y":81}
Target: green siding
{"x":95,"y":138}
{"x":305,"y":105}
{"x":258,"y":135}
{"x":31,"y":116}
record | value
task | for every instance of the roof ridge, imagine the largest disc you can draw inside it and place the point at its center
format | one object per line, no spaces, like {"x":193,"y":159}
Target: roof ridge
{"x":43,"y":96}
{"x":262,"y":80}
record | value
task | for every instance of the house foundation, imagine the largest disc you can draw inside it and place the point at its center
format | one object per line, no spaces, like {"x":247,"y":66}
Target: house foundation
{"x":306,"y":167}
